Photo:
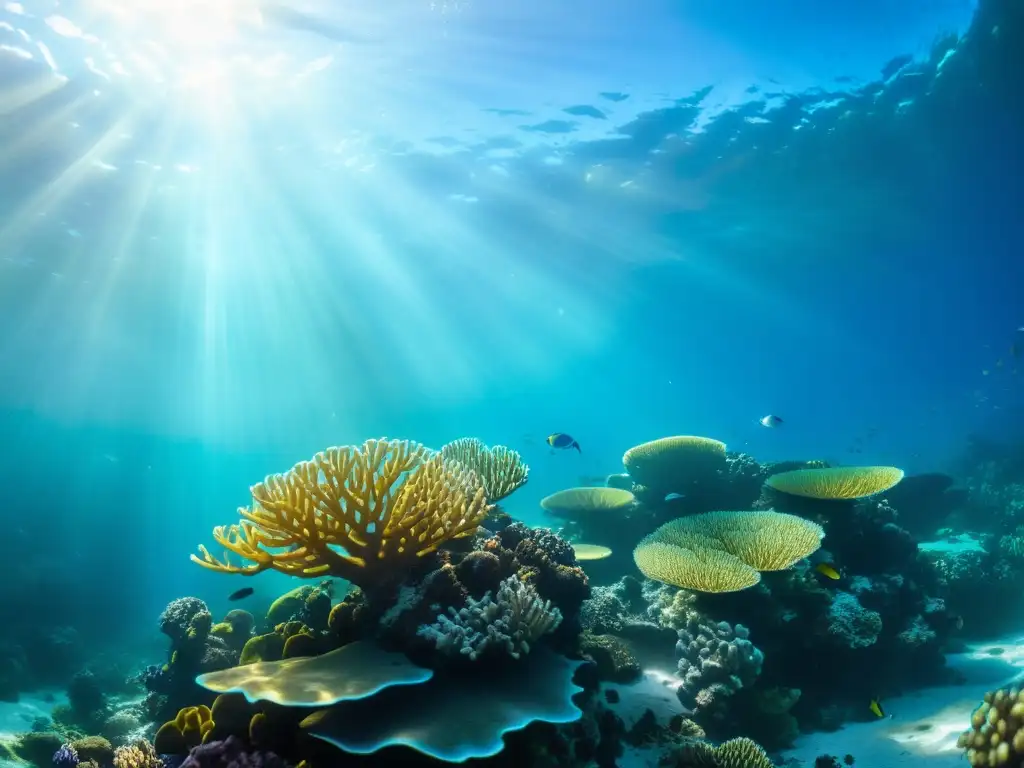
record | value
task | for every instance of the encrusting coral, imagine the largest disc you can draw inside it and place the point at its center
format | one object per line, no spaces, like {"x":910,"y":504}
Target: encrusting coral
{"x":500,"y":469}
{"x":836,"y":483}
{"x":364,"y":514}
{"x":510,"y":622}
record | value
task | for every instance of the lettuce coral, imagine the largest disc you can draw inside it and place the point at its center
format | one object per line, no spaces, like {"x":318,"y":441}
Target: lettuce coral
{"x":366,"y":514}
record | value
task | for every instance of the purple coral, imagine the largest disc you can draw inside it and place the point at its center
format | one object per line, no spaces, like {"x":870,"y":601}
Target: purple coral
{"x":231,"y":753}
{"x":65,"y":757}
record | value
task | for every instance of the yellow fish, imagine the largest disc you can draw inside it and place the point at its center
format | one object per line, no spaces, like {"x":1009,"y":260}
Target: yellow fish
{"x":827,"y":570}
{"x":876,"y":708}
{"x":562,"y":440}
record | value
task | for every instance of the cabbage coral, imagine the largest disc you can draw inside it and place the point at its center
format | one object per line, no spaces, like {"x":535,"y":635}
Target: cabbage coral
{"x":836,"y":483}
{"x":501,"y":470}
{"x":364,"y":514}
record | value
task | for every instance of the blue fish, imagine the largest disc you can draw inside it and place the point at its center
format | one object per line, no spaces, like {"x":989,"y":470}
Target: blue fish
{"x":562,"y":440}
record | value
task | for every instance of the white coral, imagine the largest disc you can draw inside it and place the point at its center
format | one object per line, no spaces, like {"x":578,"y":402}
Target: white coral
{"x":513,"y":620}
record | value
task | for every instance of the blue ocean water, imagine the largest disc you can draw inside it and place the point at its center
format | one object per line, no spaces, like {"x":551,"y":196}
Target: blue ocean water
{"x":230,"y":238}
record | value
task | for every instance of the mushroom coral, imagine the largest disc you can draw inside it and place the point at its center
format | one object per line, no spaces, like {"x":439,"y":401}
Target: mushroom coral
{"x":366,"y":514}
{"x":500,"y":469}
{"x":724,"y":551}
{"x":836,"y":483}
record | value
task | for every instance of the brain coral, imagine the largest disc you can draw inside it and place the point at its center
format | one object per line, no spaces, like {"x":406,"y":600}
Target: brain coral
{"x":836,"y":483}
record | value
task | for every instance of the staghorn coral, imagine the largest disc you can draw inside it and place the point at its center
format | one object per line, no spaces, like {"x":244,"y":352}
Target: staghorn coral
{"x":500,"y":469}
{"x":377,"y":510}
{"x":65,"y":757}
{"x":512,"y":621}
{"x":996,"y":736}
{"x":836,"y":483}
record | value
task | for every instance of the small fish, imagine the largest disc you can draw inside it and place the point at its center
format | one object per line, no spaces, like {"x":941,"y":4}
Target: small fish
{"x":957,"y":622}
{"x":241,"y":594}
{"x":562,"y":440}
{"x":673,"y":496}
{"x":828,"y":570}
{"x":876,"y":708}
{"x":770,"y":421}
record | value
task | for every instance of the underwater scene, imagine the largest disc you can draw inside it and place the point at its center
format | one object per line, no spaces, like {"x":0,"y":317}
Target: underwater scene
{"x":525,"y":384}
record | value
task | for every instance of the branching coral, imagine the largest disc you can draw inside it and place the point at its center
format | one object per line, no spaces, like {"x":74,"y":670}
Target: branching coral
{"x":517,"y":617}
{"x":500,"y":469}
{"x":141,"y":754}
{"x":364,"y":514}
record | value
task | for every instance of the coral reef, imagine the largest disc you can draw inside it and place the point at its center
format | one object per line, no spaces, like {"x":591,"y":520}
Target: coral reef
{"x":509,"y":623}
{"x":500,"y":469}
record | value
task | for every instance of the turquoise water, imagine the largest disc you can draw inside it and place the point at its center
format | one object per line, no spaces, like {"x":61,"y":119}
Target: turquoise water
{"x":231,"y":238}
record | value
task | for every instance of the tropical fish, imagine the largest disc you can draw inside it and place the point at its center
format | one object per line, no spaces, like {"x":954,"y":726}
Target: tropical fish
{"x":562,"y":440}
{"x":828,"y":570}
{"x":673,"y":496}
{"x":241,"y":594}
{"x":876,"y":708}
{"x":770,"y":421}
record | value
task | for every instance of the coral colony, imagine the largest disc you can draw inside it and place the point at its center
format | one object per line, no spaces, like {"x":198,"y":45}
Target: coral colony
{"x":455,"y":613}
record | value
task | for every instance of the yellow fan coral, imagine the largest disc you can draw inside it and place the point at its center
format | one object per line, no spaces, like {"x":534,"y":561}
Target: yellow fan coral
{"x":501,"y":470}
{"x":702,"y":569}
{"x":836,"y":483}
{"x":764,"y":540}
{"x":672,"y":463}
{"x":363,"y":514}
{"x":574,"y":502}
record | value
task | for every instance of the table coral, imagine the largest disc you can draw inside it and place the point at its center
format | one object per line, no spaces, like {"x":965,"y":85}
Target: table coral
{"x":366,"y":514}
